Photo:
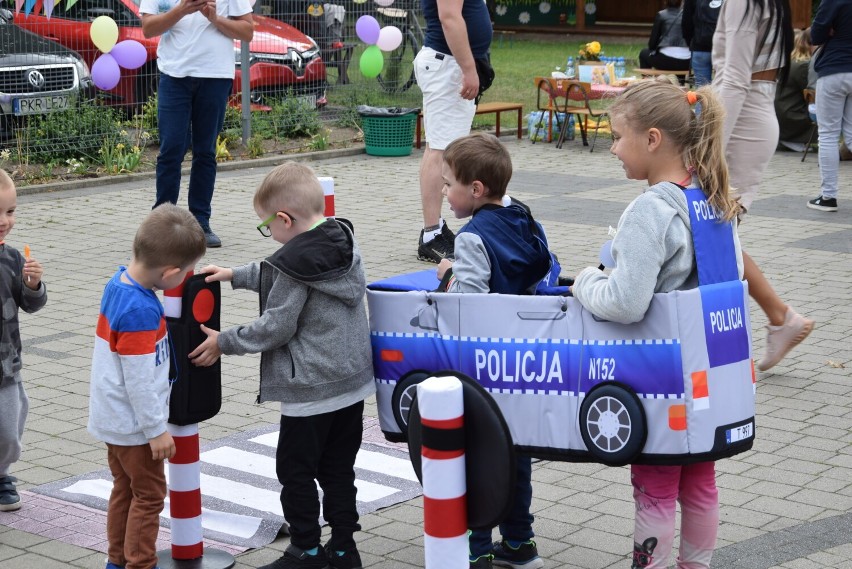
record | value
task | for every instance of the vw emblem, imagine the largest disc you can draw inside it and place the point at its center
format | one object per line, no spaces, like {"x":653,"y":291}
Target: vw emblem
{"x":35,"y":78}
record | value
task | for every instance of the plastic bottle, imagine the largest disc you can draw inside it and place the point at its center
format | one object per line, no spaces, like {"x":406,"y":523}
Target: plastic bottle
{"x":569,"y":67}
{"x":620,"y":70}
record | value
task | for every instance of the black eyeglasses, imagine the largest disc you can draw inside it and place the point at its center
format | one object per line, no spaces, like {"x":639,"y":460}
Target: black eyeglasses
{"x":263,"y":227}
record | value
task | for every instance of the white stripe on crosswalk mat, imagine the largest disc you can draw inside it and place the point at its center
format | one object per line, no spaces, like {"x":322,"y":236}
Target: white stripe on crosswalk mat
{"x":252,"y":463}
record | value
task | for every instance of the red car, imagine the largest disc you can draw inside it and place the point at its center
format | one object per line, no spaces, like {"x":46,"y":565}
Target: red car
{"x":282,"y":59}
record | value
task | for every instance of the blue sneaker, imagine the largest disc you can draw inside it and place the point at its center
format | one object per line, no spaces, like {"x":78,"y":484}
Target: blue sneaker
{"x":111,"y":565}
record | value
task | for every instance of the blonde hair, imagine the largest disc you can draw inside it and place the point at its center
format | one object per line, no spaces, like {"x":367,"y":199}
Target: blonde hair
{"x":801,"y":46}
{"x":169,"y":236}
{"x":291,"y":186}
{"x":480,"y":156}
{"x":6,"y":182}
{"x":661,"y":105}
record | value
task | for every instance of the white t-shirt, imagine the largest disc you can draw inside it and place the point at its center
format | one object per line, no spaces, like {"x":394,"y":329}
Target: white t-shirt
{"x":193,"y":47}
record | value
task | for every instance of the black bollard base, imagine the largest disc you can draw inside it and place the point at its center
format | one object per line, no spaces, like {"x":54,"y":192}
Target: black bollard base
{"x":212,"y":559}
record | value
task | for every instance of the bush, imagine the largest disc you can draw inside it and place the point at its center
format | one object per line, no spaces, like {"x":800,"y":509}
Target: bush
{"x":68,"y":134}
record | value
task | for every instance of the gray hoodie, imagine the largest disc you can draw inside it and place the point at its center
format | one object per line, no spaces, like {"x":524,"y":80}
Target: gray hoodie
{"x":312,"y":332}
{"x":653,"y":252}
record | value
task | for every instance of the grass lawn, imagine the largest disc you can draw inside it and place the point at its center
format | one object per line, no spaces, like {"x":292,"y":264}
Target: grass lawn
{"x":515,"y":63}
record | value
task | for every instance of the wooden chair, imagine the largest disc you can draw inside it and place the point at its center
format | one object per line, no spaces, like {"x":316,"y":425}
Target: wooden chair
{"x":578,"y":97}
{"x":810,"y":97}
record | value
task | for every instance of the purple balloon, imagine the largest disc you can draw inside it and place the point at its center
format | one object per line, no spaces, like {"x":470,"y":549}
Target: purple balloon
{"x":105,"y":72}
{"x":129,"y":54}
{"x":367,"y":28}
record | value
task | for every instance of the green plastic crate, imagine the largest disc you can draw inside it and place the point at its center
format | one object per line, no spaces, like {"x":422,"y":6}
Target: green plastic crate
{"x":389,"y":136}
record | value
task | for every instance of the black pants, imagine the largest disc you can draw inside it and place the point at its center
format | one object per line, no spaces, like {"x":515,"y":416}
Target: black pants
{"x":321,"y":448}
{"x":657,"y":60}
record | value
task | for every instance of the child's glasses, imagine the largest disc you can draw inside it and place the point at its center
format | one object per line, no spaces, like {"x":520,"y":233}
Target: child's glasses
{"x":263,"y":227}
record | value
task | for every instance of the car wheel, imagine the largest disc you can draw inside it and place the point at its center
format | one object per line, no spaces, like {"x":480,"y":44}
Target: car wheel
{"x":403,"y":396}
{"x":612,"y":424}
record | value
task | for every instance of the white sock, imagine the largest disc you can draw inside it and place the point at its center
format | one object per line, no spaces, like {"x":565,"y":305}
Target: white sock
{"x":430,"y":233}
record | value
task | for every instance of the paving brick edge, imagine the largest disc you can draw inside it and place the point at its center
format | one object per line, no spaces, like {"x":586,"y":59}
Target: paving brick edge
{"x":229,"y":166}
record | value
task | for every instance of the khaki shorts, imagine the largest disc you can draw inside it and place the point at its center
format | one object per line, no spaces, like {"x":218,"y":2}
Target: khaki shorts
{"x":446,"y":115}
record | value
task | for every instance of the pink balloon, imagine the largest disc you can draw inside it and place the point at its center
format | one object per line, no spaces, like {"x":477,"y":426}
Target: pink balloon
{"x":129,"y":54}
{"x":105,"y":72}
{"x":367,"y":28}
{"x":389,"y":38}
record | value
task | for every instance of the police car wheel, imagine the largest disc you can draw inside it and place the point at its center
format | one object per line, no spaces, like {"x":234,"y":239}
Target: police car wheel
{"x":612,"y":424}
{"x":403,"y":396}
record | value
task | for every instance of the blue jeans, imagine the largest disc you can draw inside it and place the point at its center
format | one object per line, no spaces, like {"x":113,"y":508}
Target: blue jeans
{"x":190,"y":113}
{"x":702,"y":67}
{"x":518,"y":524}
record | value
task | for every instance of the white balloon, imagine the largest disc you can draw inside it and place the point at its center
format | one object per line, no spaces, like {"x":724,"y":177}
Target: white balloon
{"x":384,"y":3}
{"x":389,"y":38}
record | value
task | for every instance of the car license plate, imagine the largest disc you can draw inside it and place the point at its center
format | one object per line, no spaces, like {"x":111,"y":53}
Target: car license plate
{"x":308,"y":100}
{"x":740,"y":433}
{"x":40,"y":105}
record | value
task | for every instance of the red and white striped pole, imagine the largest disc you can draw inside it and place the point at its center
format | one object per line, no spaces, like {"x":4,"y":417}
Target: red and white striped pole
{"x":327,"y":184}
{"x":184,"y":466}
{"x":187,"y":550}
{"x":441,"y":406}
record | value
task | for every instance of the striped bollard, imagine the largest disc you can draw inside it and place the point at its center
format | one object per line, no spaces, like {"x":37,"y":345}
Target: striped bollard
{"x":187,"y":550}
{"x":327,"y":184}
{"x":441,"y":404}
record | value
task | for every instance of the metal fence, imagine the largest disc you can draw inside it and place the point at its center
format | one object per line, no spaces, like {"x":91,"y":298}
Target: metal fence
{"x":299,"y":76}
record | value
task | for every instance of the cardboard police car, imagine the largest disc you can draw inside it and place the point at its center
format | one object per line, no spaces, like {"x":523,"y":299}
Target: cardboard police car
{"x":675,"y":388}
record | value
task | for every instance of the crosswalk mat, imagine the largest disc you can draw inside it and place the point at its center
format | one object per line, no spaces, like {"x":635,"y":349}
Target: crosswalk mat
{"x":240,"y":490}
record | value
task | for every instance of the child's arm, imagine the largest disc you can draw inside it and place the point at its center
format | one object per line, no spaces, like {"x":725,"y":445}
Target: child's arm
{"x":275,"y":327}
{"x":162,"y":446}
{"x":246,"y":276}
{"x":207,"y":351}
{"x":472,"y":267}
{"x":33,"y":293}
{"x":215,"y":273}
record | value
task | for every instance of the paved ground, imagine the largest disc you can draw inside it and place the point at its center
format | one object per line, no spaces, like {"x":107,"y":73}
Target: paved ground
{"x":787,"y":503}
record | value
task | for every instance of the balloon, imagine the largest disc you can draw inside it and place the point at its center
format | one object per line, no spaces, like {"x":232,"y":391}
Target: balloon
{"x":105,"y":72}
{"x":384,"y":3}
{"x":367,"y":28}
{"x":104,"y":32}
{"x":129,"y":54}
{"x":389,"y":38}
{"x":371,"y":61}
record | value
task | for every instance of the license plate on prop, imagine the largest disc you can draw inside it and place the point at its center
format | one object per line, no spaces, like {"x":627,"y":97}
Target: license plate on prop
{"x":40,"y":105}
{"x":308,"y":100}
{"x":740,"y":433}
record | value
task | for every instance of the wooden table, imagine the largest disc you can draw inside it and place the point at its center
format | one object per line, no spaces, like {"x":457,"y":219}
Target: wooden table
{"x":482,"y":109}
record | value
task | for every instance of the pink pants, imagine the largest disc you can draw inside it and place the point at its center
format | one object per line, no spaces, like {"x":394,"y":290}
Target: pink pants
{"x":655,"y":490}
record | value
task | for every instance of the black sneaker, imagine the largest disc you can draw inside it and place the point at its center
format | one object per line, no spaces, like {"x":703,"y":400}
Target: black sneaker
{"x":481,"y":562}
{"x":350,"y":559}
{"x":9,"y":498}
{"x":295,"y":558}
{"x":823,"y":204}
{"x":525,"y":556}
{"x":441,"y":247}
{"x":212,"y":239}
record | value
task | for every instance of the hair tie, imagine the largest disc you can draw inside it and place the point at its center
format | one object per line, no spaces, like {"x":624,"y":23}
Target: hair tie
{"x":691,"y":97}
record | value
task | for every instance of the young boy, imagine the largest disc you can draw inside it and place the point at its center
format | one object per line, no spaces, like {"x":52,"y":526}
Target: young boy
{"x":500,"y":250}
{"x":20,"y":288}
{"x":316,"y":360}
{"x":128,"y":400}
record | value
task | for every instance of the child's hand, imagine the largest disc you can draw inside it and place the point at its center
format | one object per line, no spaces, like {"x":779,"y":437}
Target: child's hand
{"x":32,"y":273}
{"x":208,"y":351}
{"x":162,"y":447}
{"x":215,"y":273}
{"x":443,"y":266}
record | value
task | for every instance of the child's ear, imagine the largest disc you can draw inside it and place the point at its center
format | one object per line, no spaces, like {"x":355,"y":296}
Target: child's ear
{"x":655,"y":138}
{"x":479,"y":189}
{"x":170,"y":271}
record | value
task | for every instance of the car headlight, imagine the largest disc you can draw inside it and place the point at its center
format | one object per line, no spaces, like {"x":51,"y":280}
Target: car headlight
{"x":83,"y":72}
